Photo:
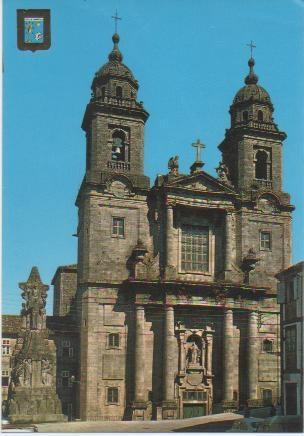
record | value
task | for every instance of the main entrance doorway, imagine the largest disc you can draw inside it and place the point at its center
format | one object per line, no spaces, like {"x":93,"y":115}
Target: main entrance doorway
{"x":194,"y":410}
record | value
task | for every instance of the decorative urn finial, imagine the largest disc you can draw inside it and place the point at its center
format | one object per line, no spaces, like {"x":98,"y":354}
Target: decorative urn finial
{"x":115,"y":55}
{"x":252,"y":78}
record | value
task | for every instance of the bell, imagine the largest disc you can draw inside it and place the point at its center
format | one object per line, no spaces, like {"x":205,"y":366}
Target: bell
{"x":117,"y":150}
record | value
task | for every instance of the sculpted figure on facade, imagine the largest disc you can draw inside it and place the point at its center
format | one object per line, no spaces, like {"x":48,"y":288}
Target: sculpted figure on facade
{"x":173,"y":165}
{"x":223,"y":173}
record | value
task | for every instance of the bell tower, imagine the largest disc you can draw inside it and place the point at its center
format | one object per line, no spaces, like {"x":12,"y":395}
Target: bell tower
{"x":114,"y":123}
{"x":112,"y":218}
{"x":252,"y":148}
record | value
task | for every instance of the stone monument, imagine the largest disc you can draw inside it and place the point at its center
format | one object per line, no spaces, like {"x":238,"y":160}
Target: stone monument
{"x":32,"y":392}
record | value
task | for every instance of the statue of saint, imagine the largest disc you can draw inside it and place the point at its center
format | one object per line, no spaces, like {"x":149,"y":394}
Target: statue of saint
{"x":194,"y":353}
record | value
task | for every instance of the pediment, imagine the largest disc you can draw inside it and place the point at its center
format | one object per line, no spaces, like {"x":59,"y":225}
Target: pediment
{"x":201,"y":182}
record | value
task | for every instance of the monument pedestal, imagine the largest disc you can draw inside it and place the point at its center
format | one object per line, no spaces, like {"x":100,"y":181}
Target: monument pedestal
{"x":34,"y":406}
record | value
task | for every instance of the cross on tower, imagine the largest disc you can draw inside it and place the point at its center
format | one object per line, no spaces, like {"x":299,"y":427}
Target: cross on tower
{"x":252,"y":46}
{"x":116,"y":18}
{"x":199,"y":146}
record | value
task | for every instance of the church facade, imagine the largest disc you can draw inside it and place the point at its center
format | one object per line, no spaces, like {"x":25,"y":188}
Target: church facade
{"x":174,"y":292}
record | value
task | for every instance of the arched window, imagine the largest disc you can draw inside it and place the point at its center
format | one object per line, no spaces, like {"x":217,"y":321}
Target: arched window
{"x":103,"y":92}
{"x":119,"y":91}
{"x":118,"y":146}
{"x":260,"y":116}
{"x":245,"y":116}
{"x":261,"y":158}
{"x":267,"y":346}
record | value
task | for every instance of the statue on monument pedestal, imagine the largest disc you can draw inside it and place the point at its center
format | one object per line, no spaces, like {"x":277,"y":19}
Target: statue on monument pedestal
{"x":34,"y":293}
{"x":46,"y":372}
{"x":27,"y":372}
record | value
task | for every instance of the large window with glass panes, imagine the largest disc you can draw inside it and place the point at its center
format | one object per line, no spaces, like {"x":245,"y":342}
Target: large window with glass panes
{"x":194,"y":249}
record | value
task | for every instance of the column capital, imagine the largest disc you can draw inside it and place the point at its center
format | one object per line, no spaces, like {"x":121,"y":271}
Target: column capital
{"x":168,"y":307}
{"x":228,"y":311}
{"x":253,"y":314}
{"x":139,"y":307}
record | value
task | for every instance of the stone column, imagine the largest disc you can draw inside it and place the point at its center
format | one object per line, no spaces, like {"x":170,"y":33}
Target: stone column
{"x":252,"y":355}
{"x":170,"y":237}
{"x":139,"y":391}
{"x":169,"y":348}
{"x":228,"y":356}
{"x":168,"y":354}
{"x":228,"y":241}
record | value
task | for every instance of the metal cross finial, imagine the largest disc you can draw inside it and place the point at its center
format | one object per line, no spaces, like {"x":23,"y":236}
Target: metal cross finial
{"x":116,"y":18}
{"x":252,"y":46}
{"x":199,"y":146}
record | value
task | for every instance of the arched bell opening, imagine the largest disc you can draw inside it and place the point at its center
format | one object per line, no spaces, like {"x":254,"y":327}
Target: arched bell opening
{"x":119,"y":146}
{"x":262,"y":165}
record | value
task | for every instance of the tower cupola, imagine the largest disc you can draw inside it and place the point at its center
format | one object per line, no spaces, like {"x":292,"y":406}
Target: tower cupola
{"x":251,"y":103}
{"x":114,"y":79}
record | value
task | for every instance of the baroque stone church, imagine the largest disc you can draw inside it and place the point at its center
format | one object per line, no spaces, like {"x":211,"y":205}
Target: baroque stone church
{"x":172,"y":304}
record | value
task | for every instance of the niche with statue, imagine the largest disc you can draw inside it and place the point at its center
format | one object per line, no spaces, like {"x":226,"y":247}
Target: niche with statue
{"x":195,"y":375}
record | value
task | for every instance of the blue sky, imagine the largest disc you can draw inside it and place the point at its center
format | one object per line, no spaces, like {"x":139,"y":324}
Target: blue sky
{"x":190,"y":58}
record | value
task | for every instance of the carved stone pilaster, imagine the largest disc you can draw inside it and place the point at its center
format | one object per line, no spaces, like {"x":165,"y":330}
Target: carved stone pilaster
{"x":170,"y":270}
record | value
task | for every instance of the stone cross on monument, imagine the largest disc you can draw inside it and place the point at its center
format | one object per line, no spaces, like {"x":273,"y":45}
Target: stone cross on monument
{"x":198,"y":164}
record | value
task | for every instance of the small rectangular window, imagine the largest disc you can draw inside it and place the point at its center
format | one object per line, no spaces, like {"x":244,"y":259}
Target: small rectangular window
{"x":265,"y":241}
{"x":5,"y":381}
{"x":113,"y":340}
{"x":118,"y":227}
{"x":65,"y":378}
{"x":6,"y":349}
{"x":112,"y":395}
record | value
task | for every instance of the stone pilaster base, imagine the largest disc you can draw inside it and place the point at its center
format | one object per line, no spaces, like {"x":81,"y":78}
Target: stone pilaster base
{"x":169,"y":409}
{"x":230,"y":406}
{"x":170,"y":272}
{"x":141,"y":410}
{"x":231,"y":276}
{"x":255,"y":402}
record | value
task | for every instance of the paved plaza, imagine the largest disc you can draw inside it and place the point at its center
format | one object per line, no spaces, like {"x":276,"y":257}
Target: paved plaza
{"x":220,"y":420}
